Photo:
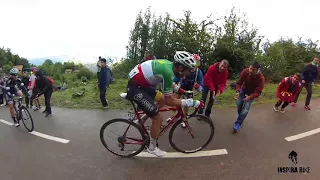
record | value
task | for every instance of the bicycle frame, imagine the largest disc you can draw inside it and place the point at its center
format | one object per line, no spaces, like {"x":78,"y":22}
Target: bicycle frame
{"x":137,"y":114}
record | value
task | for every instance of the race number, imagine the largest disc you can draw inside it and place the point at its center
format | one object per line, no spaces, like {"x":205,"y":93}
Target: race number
{"x":133,"y":72}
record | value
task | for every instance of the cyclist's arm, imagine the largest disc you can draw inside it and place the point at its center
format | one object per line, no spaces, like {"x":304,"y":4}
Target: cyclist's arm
{"x":22,"y":87}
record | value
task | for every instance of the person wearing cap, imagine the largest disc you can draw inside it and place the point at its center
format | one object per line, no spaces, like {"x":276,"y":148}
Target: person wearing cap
{"x":33,"y":91}
{"x":104,"y":81}
{"x":249,"y":86}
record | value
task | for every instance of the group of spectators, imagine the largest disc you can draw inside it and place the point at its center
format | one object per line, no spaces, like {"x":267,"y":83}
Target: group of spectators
{"x":35,"y":83}
{"x":248,"y":87}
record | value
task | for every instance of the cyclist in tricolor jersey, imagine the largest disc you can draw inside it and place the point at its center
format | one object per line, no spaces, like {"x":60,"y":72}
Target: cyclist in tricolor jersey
{"x":151,"y":73}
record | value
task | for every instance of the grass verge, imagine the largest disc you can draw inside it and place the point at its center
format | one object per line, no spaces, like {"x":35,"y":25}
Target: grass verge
{"x":91,"y":100}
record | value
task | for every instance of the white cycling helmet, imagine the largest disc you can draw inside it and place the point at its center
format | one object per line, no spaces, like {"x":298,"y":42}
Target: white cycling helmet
{"x":185,"y":59}
{"x":14,"y":71}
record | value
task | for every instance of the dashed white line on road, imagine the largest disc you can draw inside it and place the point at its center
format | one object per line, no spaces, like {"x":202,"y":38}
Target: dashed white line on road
{"x":52,"y":138}
{"x":6,"y":122}
{"x":188,"y":155}
{"x":302,"y":135}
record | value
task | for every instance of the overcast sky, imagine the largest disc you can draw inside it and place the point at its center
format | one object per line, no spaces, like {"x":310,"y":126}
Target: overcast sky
{"x":89,"y":28}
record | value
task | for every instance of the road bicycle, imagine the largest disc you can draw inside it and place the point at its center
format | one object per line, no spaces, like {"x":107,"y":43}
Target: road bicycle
{"x":135,"y":121}
{"x":22,"y":113}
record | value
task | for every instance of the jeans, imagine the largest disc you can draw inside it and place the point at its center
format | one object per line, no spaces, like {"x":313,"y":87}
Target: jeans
{"x":205,"y":92}
{"x":47,"y":98}
{"x":103,"y":97}
{"x":308,"y":87}
{"x":243,"y":107}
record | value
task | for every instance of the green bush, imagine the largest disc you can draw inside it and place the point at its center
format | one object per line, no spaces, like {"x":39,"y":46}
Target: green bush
{"x":84,"y":72}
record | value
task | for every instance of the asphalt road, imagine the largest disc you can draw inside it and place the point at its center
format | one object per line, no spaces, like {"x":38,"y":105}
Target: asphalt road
{"x":254,"y":153}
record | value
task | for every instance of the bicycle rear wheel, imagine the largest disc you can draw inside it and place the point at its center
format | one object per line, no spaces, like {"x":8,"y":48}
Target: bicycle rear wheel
{"x":26,"y":118}
{"x":207,"y":122}
{"x":124,"y":138}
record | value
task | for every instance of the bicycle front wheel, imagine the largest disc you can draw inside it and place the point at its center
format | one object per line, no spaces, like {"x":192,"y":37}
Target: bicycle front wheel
{"x":130,"y":135}
{"x":199,"y":132}
{"x":26,"y":118}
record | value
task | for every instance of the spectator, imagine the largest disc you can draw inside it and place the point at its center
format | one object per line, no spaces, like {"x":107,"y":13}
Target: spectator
{"x":214,"y":82}
{"x":287,"y":90}
{"x":104,"y":81}
{"x":45,"y":87}
{"x":1,"y":92}
{"x":33,"y":91}
{"x":148,"y":56}
{"x":25,"y":81}
{"x":249,"y":87}
{"x":309,"y":76}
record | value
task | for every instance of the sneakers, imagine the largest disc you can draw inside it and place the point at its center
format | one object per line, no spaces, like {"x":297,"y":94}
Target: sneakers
{"x":16,"y":123}
{"x":276,"y":109}
{"x":307,"y":107}
{"x":157,"y":152}
{"x":37,"y":108}
{"x":293,"y":104}
{"x":236,"y":127}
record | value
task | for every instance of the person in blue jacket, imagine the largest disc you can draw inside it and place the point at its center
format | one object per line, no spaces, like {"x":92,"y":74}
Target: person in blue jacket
{"x":104,"y":81}
{"x":194,"y":80}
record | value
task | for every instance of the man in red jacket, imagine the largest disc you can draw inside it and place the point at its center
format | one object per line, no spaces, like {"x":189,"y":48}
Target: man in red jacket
{"x":214,"y":81}
{"x":287,"y":90}
{"x":249,"y":87}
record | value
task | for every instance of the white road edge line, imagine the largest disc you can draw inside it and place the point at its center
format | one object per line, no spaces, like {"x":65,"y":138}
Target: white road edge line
{"x":6,"y":122}
{"x":184,"y":155}
{"x":52,"y":138}
{"x":64,"y":141}
{"x":302,"y":135}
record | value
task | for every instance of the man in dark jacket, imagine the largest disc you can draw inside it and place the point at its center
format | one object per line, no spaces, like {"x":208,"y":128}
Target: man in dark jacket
{"x":104,"y":81}
{"x":309,"y":75}
{"x":248,"y":88}
{"x":44,"y":87}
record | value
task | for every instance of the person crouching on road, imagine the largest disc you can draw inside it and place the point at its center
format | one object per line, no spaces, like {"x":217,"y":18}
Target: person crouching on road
{"x":194,"y":80}
{"x":215,"y":81}
{"x":45,"y":87}
{"x":287,"y":91}
{"x":249,"y":87}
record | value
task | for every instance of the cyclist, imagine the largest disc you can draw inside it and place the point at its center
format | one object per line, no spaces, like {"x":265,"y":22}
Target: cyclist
{"x":194,"y":80}
{"x":14,"y":86}
{"x":151,"y":73}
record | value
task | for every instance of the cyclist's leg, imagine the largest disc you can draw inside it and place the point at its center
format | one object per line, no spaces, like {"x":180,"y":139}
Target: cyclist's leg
{"x":146,"y":103}
{"x":9,"y":98}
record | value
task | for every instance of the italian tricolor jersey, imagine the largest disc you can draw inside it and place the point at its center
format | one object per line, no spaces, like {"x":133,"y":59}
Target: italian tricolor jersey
{"x":152,"y":73}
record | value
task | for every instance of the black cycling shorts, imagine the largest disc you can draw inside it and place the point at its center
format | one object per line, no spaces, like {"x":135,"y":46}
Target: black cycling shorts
{"x":144,"y":98}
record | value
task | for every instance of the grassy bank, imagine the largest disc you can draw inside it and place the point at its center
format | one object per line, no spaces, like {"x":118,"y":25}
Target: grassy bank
{"x":91,"y":100}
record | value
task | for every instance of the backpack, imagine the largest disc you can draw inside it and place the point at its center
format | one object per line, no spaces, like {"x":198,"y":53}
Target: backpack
{"x":50,"y":79}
